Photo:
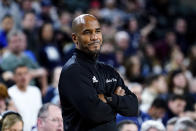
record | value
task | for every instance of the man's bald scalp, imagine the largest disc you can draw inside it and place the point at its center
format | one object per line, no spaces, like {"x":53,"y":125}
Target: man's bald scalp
{"x":80,"y":20}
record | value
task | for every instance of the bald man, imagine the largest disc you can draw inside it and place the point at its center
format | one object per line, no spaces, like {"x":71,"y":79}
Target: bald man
{"x":92,"y":93}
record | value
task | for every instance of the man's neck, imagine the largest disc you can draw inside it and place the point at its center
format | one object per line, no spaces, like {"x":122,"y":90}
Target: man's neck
{"x":22,"y":88}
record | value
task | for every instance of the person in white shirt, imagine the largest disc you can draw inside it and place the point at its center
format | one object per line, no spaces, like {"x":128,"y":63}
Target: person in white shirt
{"x":27,"y":98}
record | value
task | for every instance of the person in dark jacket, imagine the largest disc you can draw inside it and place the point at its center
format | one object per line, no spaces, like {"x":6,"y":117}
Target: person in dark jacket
{"x":92,"y":93}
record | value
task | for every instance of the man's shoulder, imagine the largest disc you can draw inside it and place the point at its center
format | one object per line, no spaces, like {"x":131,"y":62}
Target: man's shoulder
{"x":105,"y":66}
{"x":71,"y":64}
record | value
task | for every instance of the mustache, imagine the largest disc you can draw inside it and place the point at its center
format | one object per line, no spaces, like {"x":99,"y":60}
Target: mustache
{"x":95,"y":42}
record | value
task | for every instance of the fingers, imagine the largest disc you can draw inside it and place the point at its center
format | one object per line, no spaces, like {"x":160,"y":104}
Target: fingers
{"x":102,"y":98}
{"x":119,"y":91}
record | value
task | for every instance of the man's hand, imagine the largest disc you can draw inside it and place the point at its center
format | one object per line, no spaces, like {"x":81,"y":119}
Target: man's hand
{"x":119,"y":91}
{"x":102,"y":98}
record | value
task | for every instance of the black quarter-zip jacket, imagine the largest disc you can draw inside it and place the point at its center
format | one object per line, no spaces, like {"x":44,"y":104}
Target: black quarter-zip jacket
{"x":81,"y":80}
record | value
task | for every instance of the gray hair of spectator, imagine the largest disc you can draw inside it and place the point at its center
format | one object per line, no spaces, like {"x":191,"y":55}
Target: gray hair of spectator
{"x":43,"y":112}
{"x":184,"y":124}
{"x":152,"y":124}
{"x":121,"y":35}
{"x":124,"y":122}
{"x":172,"y":121}
{"x":14,"y":33}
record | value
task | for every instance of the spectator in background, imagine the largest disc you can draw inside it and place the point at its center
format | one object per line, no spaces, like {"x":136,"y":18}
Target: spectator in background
{"x":150,"y":63}
{"x":176,"y":107}
{"x":30,"y":30}
{"x":127,"y":125}
{"x":27,"y":98}
{"x":165,"y":46}
{"x":152,"y":125}
{"x":185,"y":124}
{"x":49,"y":55}
{"x":16,"y":56}
{"x":5,"y":101}
{"x":7,"y":24}
{"x":11,"y":121}
{"x":192,"y":58}
{"x":178,"y":84}
{"x":156,"y":85}
{"x":157,"y":109}
{"x":12,"y":8}
{"x":170,"y":124}
{"x":133,"y":69}
{"x":181,"y":32}
{"x":49,"y":118}
{"x":134,"y":34}
{"x":48,"y":14}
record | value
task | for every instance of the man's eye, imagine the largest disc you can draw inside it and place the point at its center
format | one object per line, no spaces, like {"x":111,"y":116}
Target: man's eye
{"x":87,"y":32}
{"x":98,"y":31}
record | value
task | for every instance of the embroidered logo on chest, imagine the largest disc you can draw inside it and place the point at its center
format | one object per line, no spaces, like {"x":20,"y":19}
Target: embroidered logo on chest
{"x":111,"y":80}
{"x":94,"y":79}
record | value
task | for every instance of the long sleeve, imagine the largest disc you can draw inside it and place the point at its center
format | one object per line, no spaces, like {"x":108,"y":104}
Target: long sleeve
{"x":76,"y":87}
{"x":125,"y":105}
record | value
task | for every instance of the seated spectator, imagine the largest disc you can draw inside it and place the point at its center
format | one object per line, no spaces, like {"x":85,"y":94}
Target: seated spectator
{"x":185,"y":124}
{"x":152,"y":125}
{"x":170,"y":124}
{"x":176,"y":107}
{"x":49,"y":55}
{"x":5,"y":102}
{"x":157,"y":109}
{"x":156,"y":85}
{"x":127,"y":125}
{"x":11,"y":121}
{"x":27,"y":98}
{"x":7,"y":24}
{"x":49,"y":118}
{"x":16,"y":56}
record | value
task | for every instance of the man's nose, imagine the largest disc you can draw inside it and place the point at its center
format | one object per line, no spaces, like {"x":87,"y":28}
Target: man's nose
{"x":94,"y":36}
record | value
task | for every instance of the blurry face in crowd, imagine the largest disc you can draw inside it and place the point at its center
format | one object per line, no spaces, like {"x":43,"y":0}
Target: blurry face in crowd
{"x":18,"y":126}
{"x":179,"y":82}
{"x":17,"y":43}
{"x":53,"y":120}
{"x":29,"y":21}
{"x":181,"y":26}
{"x":87,"y":36}
{"x":133,"y":25}
{"x":129,"y":127}
{"x":7,"y":24}
{"x":177,"y":106}
{"x":157,"y":113}
{"x":162,"y":85}
{"x":47,"y":32}
{"x":22,"y":77}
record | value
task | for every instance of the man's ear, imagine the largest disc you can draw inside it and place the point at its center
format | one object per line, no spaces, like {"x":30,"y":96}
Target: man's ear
{"x":40,"y":122}
{"x":74,"y":38}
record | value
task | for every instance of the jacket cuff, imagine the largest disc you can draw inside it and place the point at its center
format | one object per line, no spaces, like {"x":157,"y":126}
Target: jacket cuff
{"x":113,"y":100}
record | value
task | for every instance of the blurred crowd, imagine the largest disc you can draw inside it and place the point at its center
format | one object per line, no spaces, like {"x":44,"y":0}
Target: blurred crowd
{"x":151,"y":43}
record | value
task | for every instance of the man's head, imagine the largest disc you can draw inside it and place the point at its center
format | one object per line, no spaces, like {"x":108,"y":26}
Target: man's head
{"x":177,"y":104}
{"x":87,"y":34}
{"x":22,"y":77}
{"x":29,"y":21}
{"x":127,"y":125}
{"x":17,"y":41}
{"x":185,"y":124}
{"x":49,"y":118}
{"x":7,"y":23}
{"x":170,"y":123}
{"x":158,"y":108}
{"x":152,"y":125}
